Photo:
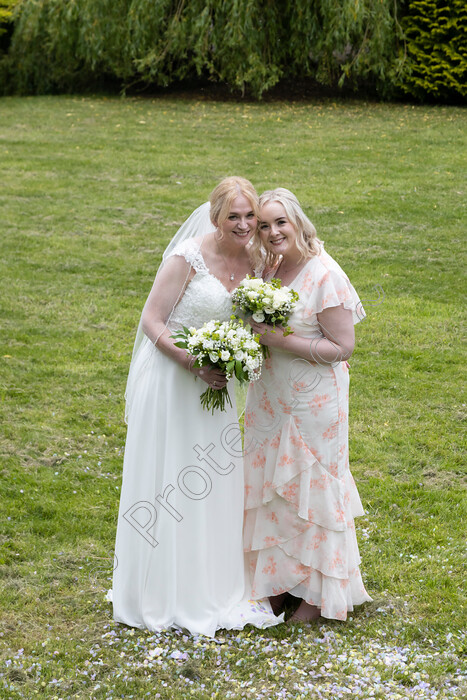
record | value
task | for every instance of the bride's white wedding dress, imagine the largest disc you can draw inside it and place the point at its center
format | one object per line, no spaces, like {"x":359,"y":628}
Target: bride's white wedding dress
{"x":179,"y":554}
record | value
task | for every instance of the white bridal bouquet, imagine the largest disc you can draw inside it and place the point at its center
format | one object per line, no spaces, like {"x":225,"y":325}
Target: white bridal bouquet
{"x":265,"y":301}
{"x":227,"y":345}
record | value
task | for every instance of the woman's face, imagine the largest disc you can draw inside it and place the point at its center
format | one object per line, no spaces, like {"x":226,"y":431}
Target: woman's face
{"x":241,"y":222}
{"x":276,"y":232}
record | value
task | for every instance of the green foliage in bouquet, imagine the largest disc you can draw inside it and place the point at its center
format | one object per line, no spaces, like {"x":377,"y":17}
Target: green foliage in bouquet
{"x":227,"y":345}
{"x":267,"y":302}
{"x":436,"y":34}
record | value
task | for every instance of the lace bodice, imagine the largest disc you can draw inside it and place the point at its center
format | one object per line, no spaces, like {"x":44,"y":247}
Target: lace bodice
{"x":205,"y":297}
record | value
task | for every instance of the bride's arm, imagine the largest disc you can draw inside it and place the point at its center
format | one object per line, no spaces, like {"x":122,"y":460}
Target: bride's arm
{"x":168,"y":288}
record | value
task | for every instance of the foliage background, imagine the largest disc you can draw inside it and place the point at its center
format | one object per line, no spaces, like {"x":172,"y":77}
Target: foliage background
{"x":379,"y":47}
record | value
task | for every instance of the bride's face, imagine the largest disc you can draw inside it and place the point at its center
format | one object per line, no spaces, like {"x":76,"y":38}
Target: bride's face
{"x":241,"y":222}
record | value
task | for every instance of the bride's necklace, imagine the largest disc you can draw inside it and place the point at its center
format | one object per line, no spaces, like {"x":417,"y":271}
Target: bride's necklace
{"x":231,"y":274}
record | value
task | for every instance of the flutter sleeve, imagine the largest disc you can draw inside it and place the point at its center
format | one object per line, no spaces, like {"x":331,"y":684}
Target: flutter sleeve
{"x":191,"y":251}
{"x":327,"y":285}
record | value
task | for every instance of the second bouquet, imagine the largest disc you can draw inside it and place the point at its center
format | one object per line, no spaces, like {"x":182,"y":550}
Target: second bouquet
{"x":267,"y":302}
{"x":228,"y":345}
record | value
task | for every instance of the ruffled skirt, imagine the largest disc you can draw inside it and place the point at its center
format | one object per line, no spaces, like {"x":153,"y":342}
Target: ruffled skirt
{"x":301,"y":499}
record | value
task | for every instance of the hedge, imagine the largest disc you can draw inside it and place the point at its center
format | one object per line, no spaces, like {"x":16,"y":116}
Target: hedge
{"x":436,"y":36}
{"x":6,"y":14}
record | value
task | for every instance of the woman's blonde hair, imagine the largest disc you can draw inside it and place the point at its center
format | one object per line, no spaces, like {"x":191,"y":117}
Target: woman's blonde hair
{"x":307,"y":241}
{"x":223,"y":195}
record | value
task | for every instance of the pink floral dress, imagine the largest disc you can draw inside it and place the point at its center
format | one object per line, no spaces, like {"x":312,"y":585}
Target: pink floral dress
{"x":300,"y":497}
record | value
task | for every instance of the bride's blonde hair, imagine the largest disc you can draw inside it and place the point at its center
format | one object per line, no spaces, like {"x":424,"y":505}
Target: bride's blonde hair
{"x":307,"y":241}
{"x":223,"y":195}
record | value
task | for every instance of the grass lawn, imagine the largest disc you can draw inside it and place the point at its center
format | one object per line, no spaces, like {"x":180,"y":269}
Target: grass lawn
{"x":92,"y":189}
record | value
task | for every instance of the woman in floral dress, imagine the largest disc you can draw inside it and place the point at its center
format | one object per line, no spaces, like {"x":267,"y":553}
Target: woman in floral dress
{"x":300,"y":497}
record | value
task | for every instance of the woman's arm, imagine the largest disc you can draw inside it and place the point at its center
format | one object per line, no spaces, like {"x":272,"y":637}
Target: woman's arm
{"x":167,"y":290}
{"x":336,"y":324}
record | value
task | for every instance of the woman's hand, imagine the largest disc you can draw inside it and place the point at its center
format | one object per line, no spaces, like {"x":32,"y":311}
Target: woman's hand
{"x":335,"y":344}
{"x":270,"y":336}
{"x":213,"y":376}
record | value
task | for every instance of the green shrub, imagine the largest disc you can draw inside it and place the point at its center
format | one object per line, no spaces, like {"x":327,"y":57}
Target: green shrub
{"x":60,"y":45}
{"x":248,"y":44}
{"x":6,"y":11}
{"x":417,"y":47}
{"x":6,"y":15}
{"x":436,"y":35}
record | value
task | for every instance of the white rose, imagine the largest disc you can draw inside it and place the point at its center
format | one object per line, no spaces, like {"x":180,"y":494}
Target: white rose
{"x":252,"y":295}
{"x":258,"y":317}
{"x":279,"y":298}
{"x":240,"y":355}
{"x":256,"y":283}
{"x":225,"y":355}
{"x":252,"y":362}
{"x":213,"y":356}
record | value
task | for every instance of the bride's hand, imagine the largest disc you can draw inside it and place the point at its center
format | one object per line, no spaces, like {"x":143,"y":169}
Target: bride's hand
{"x":213,"y":376}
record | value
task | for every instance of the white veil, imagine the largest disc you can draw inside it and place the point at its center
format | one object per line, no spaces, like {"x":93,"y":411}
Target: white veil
{"x":197,"y":225}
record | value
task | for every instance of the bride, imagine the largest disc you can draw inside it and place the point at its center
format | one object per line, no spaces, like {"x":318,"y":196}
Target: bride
{"x":179,"y":534}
